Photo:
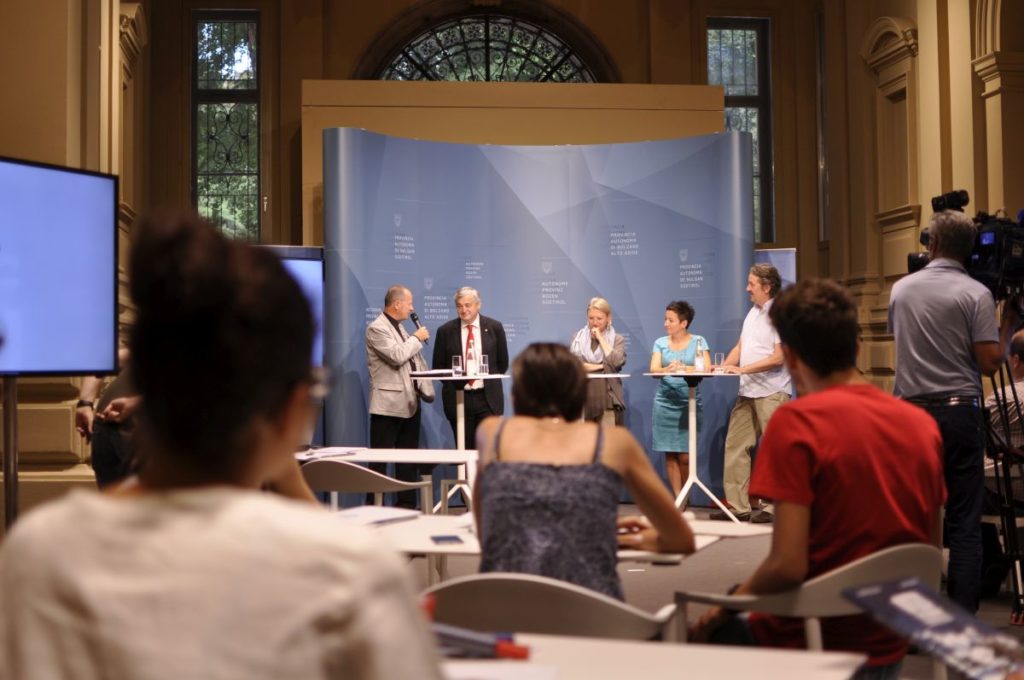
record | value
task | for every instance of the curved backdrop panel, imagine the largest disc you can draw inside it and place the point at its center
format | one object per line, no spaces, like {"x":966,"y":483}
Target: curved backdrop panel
{"x":538,"y":230}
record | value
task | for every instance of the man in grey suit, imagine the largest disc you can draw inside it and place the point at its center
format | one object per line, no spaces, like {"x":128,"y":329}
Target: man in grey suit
{"x":392,"y":355}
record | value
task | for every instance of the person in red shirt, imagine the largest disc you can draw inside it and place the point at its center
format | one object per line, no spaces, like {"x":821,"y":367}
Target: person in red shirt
{"x":851,"y":470}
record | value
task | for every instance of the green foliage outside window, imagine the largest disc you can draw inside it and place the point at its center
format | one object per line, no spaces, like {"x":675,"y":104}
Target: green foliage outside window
{"x":735,"y":50}
{"x":226,"y":126}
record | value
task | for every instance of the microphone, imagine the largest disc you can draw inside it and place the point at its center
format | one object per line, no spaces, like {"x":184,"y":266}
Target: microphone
{"x":415,"y":318}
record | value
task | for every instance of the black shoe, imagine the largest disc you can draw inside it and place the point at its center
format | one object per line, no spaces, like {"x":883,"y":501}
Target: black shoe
{"x":762,"y":517}
{"x":721,"y":516}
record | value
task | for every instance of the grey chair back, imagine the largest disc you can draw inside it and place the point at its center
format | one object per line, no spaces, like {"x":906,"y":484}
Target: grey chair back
{"x":524,"y":603}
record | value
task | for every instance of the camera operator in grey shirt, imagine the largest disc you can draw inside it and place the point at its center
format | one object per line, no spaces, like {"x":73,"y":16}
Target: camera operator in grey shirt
{"x":944,"y":326}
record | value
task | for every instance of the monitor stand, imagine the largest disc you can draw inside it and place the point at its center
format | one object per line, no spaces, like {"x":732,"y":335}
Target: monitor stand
{"x":10,"y":450}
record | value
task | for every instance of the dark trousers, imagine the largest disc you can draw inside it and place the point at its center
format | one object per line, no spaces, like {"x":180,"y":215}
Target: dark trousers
{"x":476,"y":410}
{"x":963,"y":443}
{"x":113,"y":457}
{"x":391,"y":432}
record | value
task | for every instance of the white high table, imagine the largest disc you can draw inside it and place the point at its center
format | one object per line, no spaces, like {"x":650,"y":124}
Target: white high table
{"x":692,"y":380}
{"x":465,"y":476}
{"x":577,"y":658}
{"x":460,"y":396}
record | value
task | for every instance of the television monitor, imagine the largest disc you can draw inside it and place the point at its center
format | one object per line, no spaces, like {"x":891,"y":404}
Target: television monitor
{"x":306,"y":265}
{"x":58,"y":270}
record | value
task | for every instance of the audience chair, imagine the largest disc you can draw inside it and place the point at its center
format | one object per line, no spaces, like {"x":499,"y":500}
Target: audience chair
{"x":524,"y":603}
{"x":339,"y":476}
{"x":822,"y":596}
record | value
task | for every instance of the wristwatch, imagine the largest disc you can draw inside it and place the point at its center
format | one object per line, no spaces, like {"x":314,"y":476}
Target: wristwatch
{"x":82,"y":403}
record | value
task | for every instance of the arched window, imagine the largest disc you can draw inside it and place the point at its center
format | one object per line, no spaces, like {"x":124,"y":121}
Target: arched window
{"x":488,"y":47}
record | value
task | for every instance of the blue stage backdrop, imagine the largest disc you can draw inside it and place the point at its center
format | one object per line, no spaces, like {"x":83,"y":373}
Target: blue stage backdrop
{"x":538,"y":230}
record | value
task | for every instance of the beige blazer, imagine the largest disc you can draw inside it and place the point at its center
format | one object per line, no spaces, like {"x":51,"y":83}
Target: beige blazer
{"x":392,"y":356}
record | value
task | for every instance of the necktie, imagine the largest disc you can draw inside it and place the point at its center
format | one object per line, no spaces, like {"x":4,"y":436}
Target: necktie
{"x":470,"y":356}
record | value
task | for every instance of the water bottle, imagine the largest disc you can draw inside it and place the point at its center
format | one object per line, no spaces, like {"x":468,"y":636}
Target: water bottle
{"x":698,"y":362}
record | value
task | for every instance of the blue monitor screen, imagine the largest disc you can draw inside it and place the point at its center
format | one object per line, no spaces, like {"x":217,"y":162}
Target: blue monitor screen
{"x":988,"y":238}
{"x":58,"y":270}
{"x":307,"y":266}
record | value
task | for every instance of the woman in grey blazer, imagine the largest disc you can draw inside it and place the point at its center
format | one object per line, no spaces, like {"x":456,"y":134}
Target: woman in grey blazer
{"x":601,"y":350}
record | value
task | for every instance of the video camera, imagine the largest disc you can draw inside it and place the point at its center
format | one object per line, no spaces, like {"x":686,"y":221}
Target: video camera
{"x":997,"y":260}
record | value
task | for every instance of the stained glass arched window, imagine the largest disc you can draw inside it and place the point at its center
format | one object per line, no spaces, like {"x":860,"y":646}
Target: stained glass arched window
{"x":492,"y":47}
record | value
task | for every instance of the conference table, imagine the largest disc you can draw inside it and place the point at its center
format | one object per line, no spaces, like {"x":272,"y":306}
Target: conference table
{"x":416,"y":536}
{"x":419,"y":536}
{"x":559,"y":657}
{"x":693,"y":379}
{"x":450,"y":535}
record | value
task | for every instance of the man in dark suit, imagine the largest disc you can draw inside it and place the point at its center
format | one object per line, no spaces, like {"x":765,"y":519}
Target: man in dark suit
{"x":485,"y":337}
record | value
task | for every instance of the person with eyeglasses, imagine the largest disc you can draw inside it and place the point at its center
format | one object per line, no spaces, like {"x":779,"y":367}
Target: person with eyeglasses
{"x":193,"y":571}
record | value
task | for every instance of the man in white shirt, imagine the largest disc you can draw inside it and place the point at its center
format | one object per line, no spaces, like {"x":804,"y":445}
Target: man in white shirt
{"x":764,"y":386}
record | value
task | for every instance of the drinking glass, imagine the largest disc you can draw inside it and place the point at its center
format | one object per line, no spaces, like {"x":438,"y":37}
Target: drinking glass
{"x":719,"y":360}
{"x":456,"y":365}
{"x":484,"y":368}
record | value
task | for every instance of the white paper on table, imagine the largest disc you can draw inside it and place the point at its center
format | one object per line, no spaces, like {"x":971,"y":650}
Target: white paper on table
{"x":466,"y":521}
{"x":442,"y":372}
{"x":497,"y":670}
{"x":332,"y":452}
{"x":375,"y":515}
{"x":700,"y":542}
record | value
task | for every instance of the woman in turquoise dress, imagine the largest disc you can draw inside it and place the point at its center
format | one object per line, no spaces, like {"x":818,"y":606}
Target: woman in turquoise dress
{"x":672,"y":353}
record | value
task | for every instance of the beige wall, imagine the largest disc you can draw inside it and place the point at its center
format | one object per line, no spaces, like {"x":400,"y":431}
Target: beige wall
{"x":952,"y":132}
{"x":74,"y":77}
{"x":41,"y":42}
